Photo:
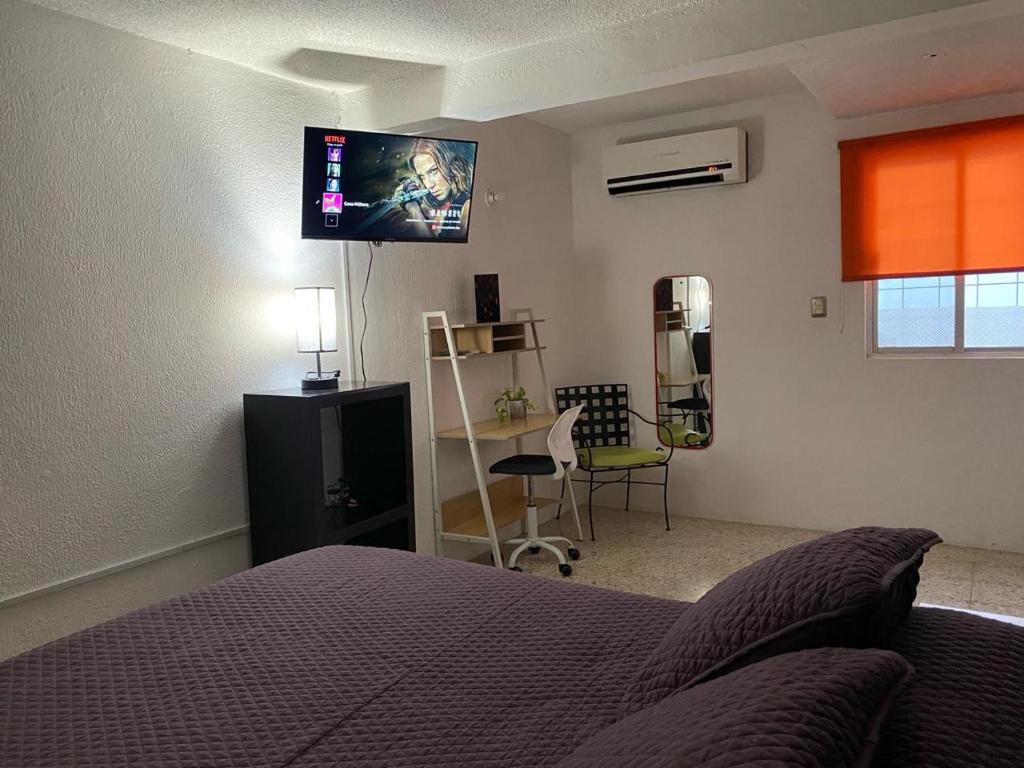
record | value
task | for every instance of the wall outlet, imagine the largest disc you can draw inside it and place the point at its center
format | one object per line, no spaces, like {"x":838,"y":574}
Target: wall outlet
{"x":819,"y":306}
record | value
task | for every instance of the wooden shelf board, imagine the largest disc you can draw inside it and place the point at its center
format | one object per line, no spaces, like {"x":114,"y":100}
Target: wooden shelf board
{"x":490,"y":354}
{"x":699,"y":378}
{"x":494,"y":429}
{"x":464,"y":515}
{"x":453,"y":326}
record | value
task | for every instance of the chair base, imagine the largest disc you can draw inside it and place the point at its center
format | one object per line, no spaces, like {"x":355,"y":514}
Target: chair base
{"x":534,"y":541}
{"x":626,"y":478}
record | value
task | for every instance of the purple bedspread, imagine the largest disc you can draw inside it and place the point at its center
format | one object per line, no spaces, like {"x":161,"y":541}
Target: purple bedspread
{"x":338,"y":656}
{"x":964,"y":705}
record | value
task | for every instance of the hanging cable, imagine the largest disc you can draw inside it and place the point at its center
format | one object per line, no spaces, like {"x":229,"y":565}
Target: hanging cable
{"x":842,"y":307}
{"x":362,"y":301}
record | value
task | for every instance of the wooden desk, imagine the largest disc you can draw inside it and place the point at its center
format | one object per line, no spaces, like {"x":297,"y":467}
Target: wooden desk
{"x":493,"y":429}
{"x":687,"y":381}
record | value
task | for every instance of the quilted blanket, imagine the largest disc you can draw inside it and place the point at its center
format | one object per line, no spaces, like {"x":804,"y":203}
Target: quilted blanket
{"x":337,"y":656}
{"x":964,"y":706}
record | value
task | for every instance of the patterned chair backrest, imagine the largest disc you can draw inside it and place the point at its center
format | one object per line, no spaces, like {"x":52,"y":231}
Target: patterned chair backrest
{"x":605,"y":418}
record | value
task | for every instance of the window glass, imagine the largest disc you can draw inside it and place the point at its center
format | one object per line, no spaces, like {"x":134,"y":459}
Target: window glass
{"x":916,"y":312}
{"x":994,"y":310}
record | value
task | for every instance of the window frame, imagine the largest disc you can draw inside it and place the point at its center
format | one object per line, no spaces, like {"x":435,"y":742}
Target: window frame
{"x":957,"y":350}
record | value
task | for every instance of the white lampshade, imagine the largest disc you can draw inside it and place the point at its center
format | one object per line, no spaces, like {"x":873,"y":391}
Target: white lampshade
{"x":316,"y":320}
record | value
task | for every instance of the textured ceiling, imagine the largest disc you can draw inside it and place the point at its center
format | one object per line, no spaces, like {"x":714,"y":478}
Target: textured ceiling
{"x":265,"y":34}
{"x":945,"y":64}
{"x":682,"y":97}
{"x":574,"y":64}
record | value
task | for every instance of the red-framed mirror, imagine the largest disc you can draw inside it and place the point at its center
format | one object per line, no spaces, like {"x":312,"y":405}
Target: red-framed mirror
{"x":683,"y":356}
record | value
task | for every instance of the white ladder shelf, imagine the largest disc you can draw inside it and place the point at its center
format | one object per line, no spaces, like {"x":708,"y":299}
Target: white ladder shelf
{"x":476,"y":517}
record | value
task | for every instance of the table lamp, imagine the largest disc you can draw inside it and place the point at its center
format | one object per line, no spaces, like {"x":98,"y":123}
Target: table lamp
{"x":316,"y":331}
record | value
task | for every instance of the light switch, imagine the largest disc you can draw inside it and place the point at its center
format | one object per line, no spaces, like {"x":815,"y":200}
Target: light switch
{"x":819,"y":306}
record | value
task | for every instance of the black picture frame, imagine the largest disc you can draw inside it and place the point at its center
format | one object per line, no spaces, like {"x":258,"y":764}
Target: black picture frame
{"x":488,"y":300}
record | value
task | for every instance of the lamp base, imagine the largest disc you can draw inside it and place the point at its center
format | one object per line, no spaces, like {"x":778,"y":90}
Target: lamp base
{"x":319,"y":382}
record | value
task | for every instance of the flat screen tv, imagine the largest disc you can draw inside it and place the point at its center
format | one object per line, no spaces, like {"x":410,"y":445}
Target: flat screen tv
{"x":381,"y":186}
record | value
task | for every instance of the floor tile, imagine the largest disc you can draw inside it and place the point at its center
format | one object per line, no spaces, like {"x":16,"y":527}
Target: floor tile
{"x":987,"y":593}
{"x":635,"y":553}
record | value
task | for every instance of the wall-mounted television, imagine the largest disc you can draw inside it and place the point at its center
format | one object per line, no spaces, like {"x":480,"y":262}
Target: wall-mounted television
{"x":381,"y":186}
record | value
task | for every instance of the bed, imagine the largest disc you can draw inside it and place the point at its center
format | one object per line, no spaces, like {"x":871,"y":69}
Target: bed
{"x":366,"y":657}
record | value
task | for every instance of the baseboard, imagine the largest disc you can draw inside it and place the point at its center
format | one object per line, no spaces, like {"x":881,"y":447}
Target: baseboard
{"x":99,"y":573}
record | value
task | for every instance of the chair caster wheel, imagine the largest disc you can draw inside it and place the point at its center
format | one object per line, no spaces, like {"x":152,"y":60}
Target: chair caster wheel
{"x":574,"y":554}
{"x":565,"y":569}
{"x":516,"y":568}
{"x":533,"y":550}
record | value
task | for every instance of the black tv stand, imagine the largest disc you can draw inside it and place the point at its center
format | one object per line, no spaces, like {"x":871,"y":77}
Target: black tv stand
{"x":329,"y":467}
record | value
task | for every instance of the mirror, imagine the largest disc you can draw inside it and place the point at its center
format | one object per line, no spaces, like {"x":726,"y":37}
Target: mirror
{"x":682,"y":360}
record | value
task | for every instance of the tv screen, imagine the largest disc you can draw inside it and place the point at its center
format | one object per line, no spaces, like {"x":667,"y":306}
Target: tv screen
{"x":382,"y":186}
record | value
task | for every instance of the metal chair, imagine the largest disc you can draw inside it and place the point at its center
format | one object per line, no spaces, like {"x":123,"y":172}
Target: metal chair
{"x":560,"y":460}
{"x":603,"y":443}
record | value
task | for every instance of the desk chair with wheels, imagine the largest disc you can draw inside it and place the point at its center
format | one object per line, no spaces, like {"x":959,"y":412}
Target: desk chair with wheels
{"x":560,"y":459}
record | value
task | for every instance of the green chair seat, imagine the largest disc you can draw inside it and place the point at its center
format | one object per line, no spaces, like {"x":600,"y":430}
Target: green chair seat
{"x":618,"y":456}
{"x":682,"y":435}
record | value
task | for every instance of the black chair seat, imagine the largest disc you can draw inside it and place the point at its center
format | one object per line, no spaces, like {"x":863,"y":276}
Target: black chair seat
{"x":691,"y":404}
{"x":525,"y":464}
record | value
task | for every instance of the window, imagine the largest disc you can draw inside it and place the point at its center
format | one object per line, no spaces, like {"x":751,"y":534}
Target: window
{"x":954,"y":315}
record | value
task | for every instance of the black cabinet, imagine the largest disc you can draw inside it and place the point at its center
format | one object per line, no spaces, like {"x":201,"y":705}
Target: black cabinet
{"x":329,"y":467}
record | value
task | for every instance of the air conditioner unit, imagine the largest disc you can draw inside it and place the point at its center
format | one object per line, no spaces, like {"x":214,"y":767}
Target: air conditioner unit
{"x":706,"y":159}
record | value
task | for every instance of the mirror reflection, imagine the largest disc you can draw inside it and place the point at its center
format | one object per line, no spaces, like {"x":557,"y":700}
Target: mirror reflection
{"x":682,"y":359}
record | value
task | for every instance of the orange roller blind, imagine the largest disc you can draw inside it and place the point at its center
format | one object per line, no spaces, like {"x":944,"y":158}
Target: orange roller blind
{"x":939,"y":201}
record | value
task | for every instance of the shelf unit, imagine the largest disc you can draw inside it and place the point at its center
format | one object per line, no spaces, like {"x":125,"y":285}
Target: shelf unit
{"x":475,"y":517}
{"x":670,"y":320}
{"x":302,"y":448}
{"x":481,"y":339}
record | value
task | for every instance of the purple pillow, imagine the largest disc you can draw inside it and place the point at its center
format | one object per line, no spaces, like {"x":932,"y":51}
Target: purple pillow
{"x":819,"y":708}
{"x":851,"y":588}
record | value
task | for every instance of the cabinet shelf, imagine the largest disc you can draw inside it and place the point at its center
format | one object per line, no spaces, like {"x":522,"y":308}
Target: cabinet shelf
{"x":494,"y":429}
{"x":369,"y":523}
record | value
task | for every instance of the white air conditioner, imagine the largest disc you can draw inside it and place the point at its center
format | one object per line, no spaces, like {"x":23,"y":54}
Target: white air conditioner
{"x":706,"y":159}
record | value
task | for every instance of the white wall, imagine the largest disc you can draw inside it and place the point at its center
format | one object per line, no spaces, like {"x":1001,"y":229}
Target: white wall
{"x":808,"y":431}
{"x":149,"y":247}
{"x":150,"y":242}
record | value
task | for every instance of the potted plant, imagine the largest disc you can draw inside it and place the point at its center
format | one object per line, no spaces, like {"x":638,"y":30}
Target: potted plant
{"x":513,"y":404}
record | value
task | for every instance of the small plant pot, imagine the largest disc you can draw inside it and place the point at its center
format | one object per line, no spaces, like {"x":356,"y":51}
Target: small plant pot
{"x":516,"y":410}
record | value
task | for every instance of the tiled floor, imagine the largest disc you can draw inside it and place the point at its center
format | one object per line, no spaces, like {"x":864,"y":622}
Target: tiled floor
{"x":635,"y":553}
